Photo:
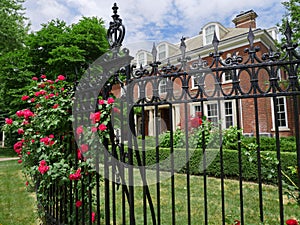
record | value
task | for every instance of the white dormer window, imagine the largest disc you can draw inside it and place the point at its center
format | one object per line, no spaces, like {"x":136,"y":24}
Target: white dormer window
{"x":209,"y":34}
{"x":162,"y":52}
{"x":141,"y":59}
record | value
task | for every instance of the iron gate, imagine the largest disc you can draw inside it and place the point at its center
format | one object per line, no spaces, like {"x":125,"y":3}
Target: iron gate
{"x":140,"y":182}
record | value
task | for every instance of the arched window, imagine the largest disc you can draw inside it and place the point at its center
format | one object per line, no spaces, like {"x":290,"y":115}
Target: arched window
{"x":209,"y":34}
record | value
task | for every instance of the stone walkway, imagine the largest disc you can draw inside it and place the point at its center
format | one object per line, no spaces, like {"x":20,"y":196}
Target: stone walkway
{"x":6,"y":159}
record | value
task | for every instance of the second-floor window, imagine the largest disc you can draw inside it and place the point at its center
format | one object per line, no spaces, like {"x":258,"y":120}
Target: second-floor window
{"x":162,"y":52}
{"x":209,"y":34}
{"x":141,"y":59}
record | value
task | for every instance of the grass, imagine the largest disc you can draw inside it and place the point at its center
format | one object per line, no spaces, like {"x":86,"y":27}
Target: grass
{"x":17,"y":206}
{"x":7,"y":153}
{"x":232,"y":202}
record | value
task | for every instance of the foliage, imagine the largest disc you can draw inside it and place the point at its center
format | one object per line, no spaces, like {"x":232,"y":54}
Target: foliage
{"x":59,"y":48}
{"x":178,"y":139}
{"x":44,"y":130}
{"x":293,"y":15}
{"x":13,"y":27}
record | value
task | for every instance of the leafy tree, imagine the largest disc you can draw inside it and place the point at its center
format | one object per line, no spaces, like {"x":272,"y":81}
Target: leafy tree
{"x":13,"y":26}
{"x":13,"y":72}
{"x":58,"y":48}
{"x":293,"y":16}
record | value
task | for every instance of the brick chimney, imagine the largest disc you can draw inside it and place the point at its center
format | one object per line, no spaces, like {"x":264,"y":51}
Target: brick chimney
{"x":245,"y":19}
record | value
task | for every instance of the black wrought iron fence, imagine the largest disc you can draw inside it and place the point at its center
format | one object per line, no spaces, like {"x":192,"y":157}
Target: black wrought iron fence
{"x":137,"y":180}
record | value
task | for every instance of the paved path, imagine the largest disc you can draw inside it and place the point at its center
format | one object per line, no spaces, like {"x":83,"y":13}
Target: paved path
{"x":6,"y":159}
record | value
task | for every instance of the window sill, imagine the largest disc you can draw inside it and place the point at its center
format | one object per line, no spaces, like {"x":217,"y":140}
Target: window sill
{"x":282,"y":129}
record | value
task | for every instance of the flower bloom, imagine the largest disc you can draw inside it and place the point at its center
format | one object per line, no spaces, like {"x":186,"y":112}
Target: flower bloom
{"x":8,"y":121}
{"x":20,"y":161}
{"x":76,"y":175}
{"x":28,"y":153}
{"x":292,"y":222}
{"x":43,"y":76}
{"x":102,"y":127}
{"x":50,"y":81}
{"x":61,"y":77}
{"x":26,"y":113}
{"x":84,"y":148}
{"x":93,"y":217}
{"x":94,"y":129}
{"x":47,"y":140}
{"x":18,"y":147}
{"x":196,"y":122}
{"x":237,"y":222}
{"x":32,"y":100}
{"x":34,"y":78}
{"x":20,"y":131}
{"x":43,"y":168}
{"x":79,"y":156}
{"x":25,"y":98}
{"x":110,"y":101}
{"x":27,"y":183}
{"x":78,"y":203}
{"x":79,"y":130}
{"x":101,"y":101}
{"x":95,"y":117}
{"x":116,"y":110}
{"x":55,"y":106}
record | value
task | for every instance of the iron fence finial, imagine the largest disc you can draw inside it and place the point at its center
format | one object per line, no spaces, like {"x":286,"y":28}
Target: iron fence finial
{"x":116,"y":30}
{"x":215,"y":42}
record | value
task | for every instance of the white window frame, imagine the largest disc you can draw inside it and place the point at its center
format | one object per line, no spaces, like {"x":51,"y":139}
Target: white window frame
{"x":162,"y":48}
{"x":163,"y":82}
{"x":229,"y":115}
{"x":142,"y":61}
{"x":217,"y":30}
{"x":281,"y":128}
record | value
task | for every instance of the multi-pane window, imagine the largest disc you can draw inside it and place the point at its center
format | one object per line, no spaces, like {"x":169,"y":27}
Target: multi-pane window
{"x":209,"y":34}
{"x":281,"y":111}
{"x":162,"y":86}
{"x":162,"y":52}
{"x":212,"y":113}
{"x":228,"y":114}
{"x":141,"y":59}
{"x":197,"y":110}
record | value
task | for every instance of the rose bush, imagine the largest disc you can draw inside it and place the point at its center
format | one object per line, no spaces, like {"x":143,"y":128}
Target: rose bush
{"x":45,"y":140}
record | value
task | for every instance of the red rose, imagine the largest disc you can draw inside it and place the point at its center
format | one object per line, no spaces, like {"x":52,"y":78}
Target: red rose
{"x":55,"y":106}
{"x":20,"y":131}
{"x":93,"y":217}
{"x":101,"y":102}
{"x":20,"y":161}
{"x":20,"y":113}
{"x":102,"y":127}
{"x":61,"y":77}
{"x":43,"y":76}
{"x":110,"y":101}
{"x":84,"y":148}
{"x":292,"y":222}
{"x":8,"y":121}
{"x":95,"y":117}
{"x":76,"y":175}
{"x":78,"y":204}
{"x":43,"y":168}
{"x":79,"y":130}
{"x":25,"y":98}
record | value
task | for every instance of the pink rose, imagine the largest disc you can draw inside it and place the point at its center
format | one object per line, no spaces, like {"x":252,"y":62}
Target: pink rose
{"x":79,"y":130}
{"x":43,"y":168}
{"x":20,"y":131}
{"x":8,"y":121}
{"x":61,"y":77}
{"x":110,"y":101}
{"x":93,"y":217}
{"x":101,"y":101}
{"x":94,"y":129}
{"x":84,"y":148}
{"x":43,"y":76}
{"x":34,"y":78}
{"x":20,"y":161}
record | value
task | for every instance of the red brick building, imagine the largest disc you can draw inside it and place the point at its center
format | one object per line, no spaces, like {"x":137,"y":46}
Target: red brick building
{"x":231,"y":41}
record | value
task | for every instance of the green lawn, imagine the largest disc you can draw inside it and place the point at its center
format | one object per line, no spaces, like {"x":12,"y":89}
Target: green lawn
{"x":7,"y":153}
{"x":232,"y":202}
{"x":17,"y":205}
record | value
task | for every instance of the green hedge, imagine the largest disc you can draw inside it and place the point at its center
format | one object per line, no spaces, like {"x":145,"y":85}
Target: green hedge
{"x":230,"y":163}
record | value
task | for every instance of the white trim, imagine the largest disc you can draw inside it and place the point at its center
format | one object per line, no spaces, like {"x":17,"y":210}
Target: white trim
{"x":280,"y":128}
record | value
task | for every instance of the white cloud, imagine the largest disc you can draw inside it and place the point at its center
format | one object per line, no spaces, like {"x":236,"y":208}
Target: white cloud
{"x":156,"y":20}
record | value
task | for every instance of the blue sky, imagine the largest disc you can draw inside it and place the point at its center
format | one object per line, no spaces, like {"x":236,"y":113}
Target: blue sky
{"x":149,"y":21}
